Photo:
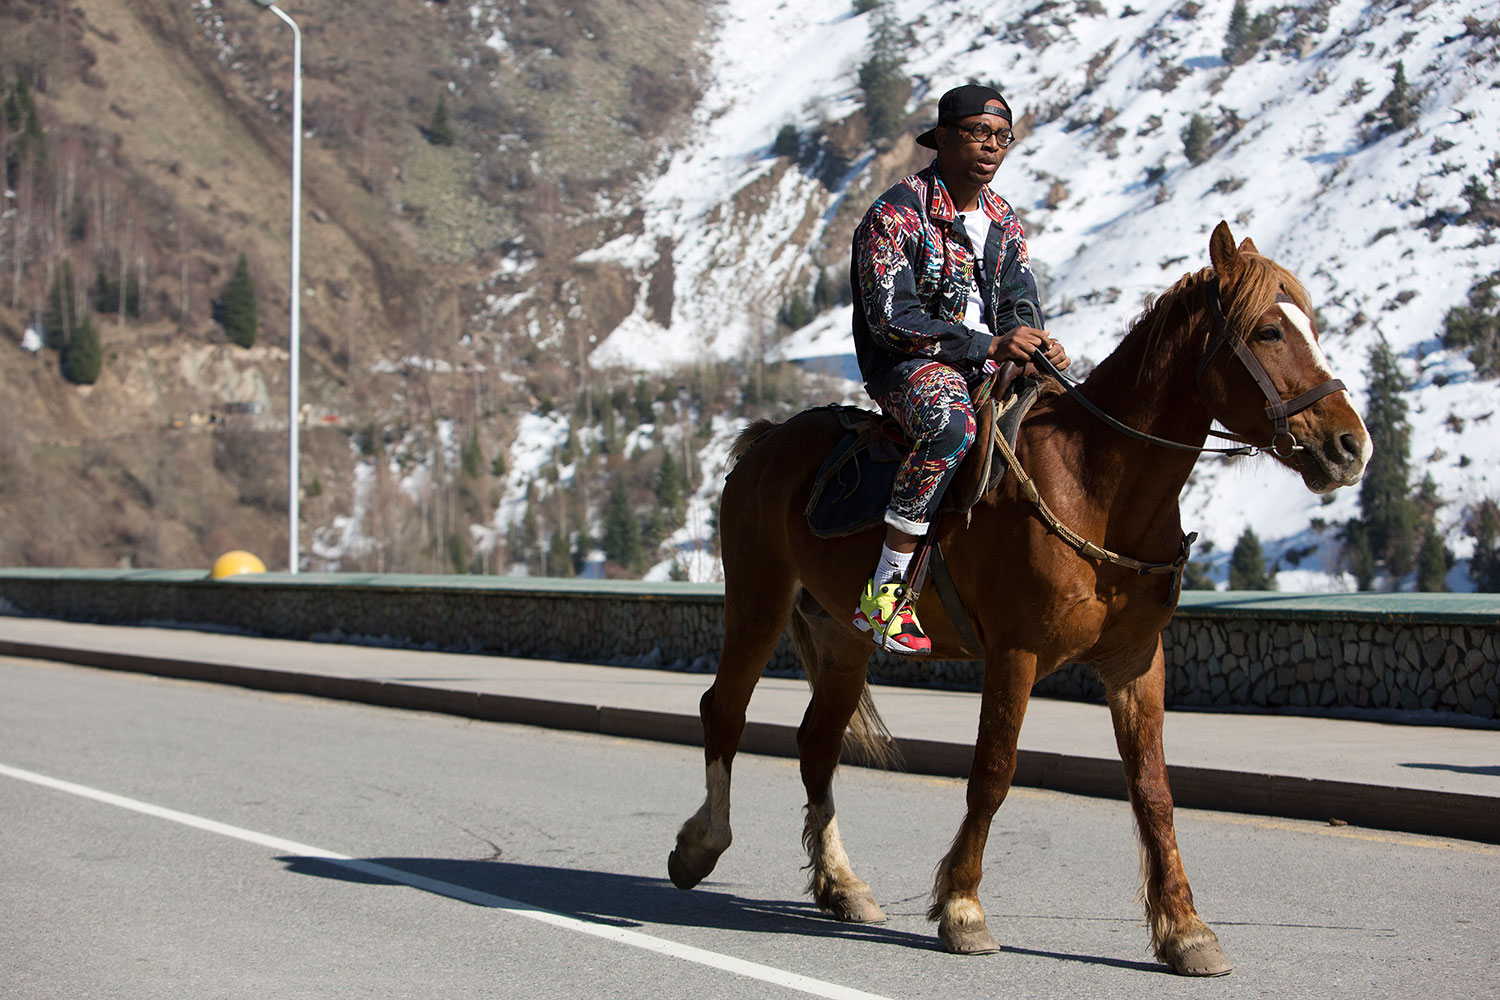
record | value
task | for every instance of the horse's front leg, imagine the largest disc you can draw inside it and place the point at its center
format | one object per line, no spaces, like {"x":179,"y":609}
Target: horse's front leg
{"x":1179,"y":936}
{"x":955,"y":896}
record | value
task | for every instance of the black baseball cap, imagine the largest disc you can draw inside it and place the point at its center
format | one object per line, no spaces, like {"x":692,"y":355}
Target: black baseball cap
{"x":960,"y":103}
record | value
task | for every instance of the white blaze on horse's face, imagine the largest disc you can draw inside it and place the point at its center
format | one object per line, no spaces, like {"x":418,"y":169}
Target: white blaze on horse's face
{"x":1303,"y":325}
{"x":1348,"y":472}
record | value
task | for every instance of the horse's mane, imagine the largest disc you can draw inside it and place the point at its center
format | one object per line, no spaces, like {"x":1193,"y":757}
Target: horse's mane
{"x":1178,"y":313}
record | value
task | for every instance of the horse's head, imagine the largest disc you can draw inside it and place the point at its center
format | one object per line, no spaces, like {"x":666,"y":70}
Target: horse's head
{"x":1264,"y":376}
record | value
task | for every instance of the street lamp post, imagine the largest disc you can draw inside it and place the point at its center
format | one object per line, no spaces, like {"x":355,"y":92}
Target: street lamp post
{"x":295,"y":346}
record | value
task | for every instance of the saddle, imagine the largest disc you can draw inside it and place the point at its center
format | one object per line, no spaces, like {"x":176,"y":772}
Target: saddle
{"x":853,"y":486}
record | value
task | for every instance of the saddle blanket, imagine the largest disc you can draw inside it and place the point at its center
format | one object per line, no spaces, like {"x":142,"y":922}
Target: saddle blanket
{"x":853,"y":485}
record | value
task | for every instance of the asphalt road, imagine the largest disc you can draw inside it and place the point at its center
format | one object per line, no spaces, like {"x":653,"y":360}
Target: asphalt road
{"x":498,"y":860}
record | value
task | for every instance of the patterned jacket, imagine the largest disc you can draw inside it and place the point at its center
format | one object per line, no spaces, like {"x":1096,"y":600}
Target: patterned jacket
{"x":910,"y":275}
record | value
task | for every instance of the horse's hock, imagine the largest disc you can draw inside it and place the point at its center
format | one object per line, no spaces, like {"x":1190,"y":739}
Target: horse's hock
{"x":1414,"y":652}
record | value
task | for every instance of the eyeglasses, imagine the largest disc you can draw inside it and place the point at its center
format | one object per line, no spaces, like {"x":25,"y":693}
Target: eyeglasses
{"x":982,"y":133}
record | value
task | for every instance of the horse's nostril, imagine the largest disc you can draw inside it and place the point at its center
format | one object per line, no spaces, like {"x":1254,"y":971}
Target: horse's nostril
{"x":1349,"y":444}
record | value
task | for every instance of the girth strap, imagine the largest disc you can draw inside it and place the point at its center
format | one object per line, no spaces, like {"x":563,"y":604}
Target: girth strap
{"x":952,"y":603}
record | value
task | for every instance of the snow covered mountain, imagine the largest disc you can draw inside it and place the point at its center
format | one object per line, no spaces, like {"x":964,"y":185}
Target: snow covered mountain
{"x":1374,"y":224}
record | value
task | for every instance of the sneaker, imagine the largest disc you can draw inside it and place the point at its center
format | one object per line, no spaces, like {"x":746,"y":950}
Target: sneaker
{"x":883,"y":610}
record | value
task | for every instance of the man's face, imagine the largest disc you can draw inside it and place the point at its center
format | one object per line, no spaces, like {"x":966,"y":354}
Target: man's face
{"x":960,"y":155}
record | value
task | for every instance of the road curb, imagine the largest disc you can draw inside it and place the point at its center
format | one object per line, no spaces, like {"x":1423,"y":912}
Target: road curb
{"x":1412,"y":810}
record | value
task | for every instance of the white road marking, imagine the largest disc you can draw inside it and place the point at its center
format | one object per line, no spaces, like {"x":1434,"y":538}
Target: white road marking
{"x":635,"y":939}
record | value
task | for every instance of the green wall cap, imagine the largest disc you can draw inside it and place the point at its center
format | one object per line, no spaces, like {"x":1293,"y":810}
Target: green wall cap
{"x":1475,"y":609}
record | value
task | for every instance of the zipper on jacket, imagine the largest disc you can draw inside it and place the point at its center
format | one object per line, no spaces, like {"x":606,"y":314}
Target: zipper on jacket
{"x":1010,"y":258}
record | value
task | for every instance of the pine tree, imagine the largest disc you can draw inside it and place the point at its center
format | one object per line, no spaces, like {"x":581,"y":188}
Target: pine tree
{"x":825,"y":292}
{"x":583,"y":546}
{"x":1358,"y":558}
{"x":83,"y":357}
{"x":669,"y":488}
{"x":796,"y":312}
{"x":1239,"y":27}
{"x":559,"y":558}
{"x":1195,"y":576}
{"x":1397,"y":110}
{"x":472,"y":456}
{"x":440,"y":130}
{"x":788,"y":142}
{"x":529,"y":534}
{"x":1475,"y":328}
{"x":622,"y":530}
{"x":1245,"y":34}
{"x":21,"y":116}
{"x":61,"y":316}
{"x":237,"y":309}
{"x":645,"y":412}
{"x":1247,"y":565}
{"x":1387,"y":509}
{"x":106,"y":296}
{"x":458,"y":554}
{"x":1432,"y":561}
{"x":608,"y":431}
{"x":122,"y":297}
{"x":1483,"y":525}
{"x":882,"y":78}
{"x":1196,"y":135}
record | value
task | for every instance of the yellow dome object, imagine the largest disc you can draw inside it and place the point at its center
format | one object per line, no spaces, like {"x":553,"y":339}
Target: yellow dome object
{"x":236,"y":562}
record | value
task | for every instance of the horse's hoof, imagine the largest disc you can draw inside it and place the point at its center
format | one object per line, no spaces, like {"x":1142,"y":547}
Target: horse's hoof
{"x":968,"y":939}
{"x":1200,"y":958}
{"x":682,"y":876}
{"x":855,"y":909}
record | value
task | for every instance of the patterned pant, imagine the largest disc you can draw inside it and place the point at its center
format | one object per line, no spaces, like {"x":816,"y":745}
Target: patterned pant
{"x":932,"y":406}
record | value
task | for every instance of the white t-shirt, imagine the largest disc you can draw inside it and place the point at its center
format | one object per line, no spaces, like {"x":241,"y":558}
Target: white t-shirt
{"x":977,"y":225}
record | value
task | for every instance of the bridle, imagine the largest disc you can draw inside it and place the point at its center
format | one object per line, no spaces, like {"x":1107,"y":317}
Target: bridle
{"x":1278,"y":410}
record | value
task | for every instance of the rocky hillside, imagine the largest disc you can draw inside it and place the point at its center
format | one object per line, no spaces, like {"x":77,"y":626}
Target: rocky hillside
{"x":554,"y":254}
{"x":162,"y":153}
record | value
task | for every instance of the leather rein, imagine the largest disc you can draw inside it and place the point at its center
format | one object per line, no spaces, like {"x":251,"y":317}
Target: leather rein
{"x":1277,"y":410}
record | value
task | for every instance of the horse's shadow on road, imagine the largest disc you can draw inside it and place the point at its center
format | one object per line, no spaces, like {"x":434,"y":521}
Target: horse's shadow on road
{"x":629,"y":901}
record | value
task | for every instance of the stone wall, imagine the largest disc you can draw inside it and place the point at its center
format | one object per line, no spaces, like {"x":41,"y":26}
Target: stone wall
{"x":1382,"y":651}
{"x":1357,"y":664}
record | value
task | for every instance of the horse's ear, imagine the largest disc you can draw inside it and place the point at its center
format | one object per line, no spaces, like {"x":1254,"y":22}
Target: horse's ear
{"x":1221,"y":249}
{"x":1248,"y":246}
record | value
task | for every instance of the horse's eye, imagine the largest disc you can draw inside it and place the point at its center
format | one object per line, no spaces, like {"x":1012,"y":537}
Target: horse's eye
{"x":1270,"y":331}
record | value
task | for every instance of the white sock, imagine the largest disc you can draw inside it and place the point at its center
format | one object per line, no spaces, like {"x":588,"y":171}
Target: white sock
{"x":892,"y":565}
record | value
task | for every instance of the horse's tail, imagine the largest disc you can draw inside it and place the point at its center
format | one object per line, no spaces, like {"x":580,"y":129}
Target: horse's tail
{"x":867,"y":737}
{"x":747,"y":438}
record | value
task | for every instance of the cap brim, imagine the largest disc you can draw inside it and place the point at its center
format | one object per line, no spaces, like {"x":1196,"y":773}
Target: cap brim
{"x":928,"y":139}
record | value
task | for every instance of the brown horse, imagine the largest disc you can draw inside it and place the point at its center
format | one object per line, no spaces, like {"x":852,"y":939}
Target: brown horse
{"x":1049,"y":605}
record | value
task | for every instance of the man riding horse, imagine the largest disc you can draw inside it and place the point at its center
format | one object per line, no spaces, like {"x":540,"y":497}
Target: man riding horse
{"x":939,"y":268}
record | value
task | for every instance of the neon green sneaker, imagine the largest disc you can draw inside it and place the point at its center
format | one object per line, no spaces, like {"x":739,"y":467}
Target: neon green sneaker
{"x":884,"y":611}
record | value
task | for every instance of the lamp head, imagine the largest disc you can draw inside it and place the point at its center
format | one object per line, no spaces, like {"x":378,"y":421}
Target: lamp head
{"x":266,"y":3}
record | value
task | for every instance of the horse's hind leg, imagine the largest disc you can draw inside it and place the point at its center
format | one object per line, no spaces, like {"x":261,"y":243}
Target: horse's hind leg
{"x":754,"y":616}
{"x":835,"y":660}
{"x":1179,"y":937}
